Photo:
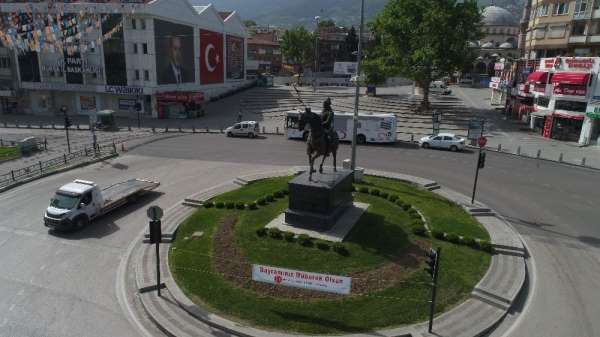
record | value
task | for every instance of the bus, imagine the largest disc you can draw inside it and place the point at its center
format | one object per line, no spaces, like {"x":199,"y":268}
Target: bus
{"x":372,"y":128}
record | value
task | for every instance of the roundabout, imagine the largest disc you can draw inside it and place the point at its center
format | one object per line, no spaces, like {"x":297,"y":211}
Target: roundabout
{"x":217,"y":242}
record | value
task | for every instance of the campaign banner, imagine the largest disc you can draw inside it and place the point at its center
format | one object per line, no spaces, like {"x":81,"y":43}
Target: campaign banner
{"x":174,"y":53}
{"x":302,"y":279}
{"x":235,"y":57}
{"x":211,"y":57}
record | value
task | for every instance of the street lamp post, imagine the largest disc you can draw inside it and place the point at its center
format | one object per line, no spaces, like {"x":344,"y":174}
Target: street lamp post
{"x":314,"y":80}
{"x":357,"y":92}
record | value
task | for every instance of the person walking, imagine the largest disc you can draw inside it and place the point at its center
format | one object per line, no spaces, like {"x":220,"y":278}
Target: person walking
{"x":239,"y":117}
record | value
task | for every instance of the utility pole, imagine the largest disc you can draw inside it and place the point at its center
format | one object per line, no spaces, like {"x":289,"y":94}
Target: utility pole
{"x":314,"y":75}
{"x":480,"y":160}
{"x":68,"y":123}
{"x":357,"y":92}
{"x":433,"y":267}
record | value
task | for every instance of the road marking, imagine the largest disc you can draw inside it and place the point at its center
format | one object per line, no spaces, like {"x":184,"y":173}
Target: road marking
{"x":43,"y":267}
{"x":11,"y":307}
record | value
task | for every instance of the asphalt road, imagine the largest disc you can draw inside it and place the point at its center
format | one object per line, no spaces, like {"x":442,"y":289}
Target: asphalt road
{"x":65,"y":285}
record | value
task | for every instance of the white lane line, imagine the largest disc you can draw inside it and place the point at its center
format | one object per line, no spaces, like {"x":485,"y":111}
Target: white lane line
{"x":12,"y":307}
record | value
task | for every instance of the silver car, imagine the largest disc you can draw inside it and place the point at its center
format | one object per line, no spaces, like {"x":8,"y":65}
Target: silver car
{"x":246,"y":129}
{"x":443,"y":141}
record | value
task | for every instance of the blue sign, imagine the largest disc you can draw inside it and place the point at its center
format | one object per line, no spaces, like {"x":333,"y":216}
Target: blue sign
{"x":127,"y":104}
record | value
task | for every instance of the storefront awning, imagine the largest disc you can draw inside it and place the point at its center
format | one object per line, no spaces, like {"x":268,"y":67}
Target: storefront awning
{"x":569,"y":116}
{"x":538,"y":77}
{"x":570,"y":78}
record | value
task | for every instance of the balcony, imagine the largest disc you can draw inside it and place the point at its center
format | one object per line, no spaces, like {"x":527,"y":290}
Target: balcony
{"x":577,"y":39}
{"x":596,"y":14}
{"x":594,"y":39}
{"x":582,"y":15}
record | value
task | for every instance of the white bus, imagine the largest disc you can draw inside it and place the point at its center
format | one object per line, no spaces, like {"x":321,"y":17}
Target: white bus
{"x":372,"y":128}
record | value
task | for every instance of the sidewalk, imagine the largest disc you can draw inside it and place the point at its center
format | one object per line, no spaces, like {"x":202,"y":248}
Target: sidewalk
{"x":176,"y":315}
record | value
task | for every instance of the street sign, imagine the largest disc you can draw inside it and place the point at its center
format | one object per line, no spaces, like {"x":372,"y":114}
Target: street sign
{"x":154,"y":213}
{"x":482,"y":141}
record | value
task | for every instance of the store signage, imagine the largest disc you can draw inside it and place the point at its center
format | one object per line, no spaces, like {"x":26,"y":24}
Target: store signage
{"x":552,"y":63}
{"x":583,"y":62}
{"x":72,"y":65}
{"x":124,"y":90}
{"x":594,"y":114}
{"x":499,"y":66}
{"x":495,"y":79}
{"x":126,"y":104}
{"x":539,"y":87}
{"x":571,"y":90}
{"x":302,"y":279}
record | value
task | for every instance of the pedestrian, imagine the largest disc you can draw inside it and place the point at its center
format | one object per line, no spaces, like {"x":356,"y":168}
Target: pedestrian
{"x":239,"y":118}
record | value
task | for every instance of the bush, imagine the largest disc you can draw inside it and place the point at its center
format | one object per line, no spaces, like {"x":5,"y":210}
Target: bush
{"x":469,"y":241}
{"x":486,"y":246}
{"x":261,"y":232}
{"x":323,"y":245}
{"x":209,"y":204}
{"x":417,"y":223}
{"x":279,"y":194}
{"x":437,"y":234}
{"x":452,"y":237}
{"x":270,"y":197}
{"x":375,"y":192}
{"x":393,"y":198}
{"x":415,"y":215}
{"x":240,"y":205}
{"x":339,"y":248}
{"x":363,"y":189}
{"x":219,"y":204}
{"x":289,"y":236}
{"x":354,"y":189}
{"x":406,"y":207}
{"x":229,"y":204}
{"x":275,"y":233}
{"x":419,"y":230}
{"x":305,"y":240}
{"x":261,"y":201}
{"x":384,"y":195}
{"x":285,"y":191}
{"x":253,"y":205}
{"x":400,"y":203}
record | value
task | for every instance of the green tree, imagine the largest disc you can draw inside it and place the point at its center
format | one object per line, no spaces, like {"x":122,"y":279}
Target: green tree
{"x":425,"y":39}
{"x":249,"y":23}
{"x":326,"y":23}
{"x":297,"y":46}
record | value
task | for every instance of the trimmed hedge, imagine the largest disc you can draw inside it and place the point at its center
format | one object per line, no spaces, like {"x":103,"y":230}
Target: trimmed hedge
{"x":305,"y":240}
{"x":270,"y":197}
{"x":384,"y":195}
{"x":341,"y":249}
{"x":375,"y":192}
{"x":289,"y":236}
{"x":240,"y":205}
{"x":279,"y":194}
{"x":275,"y":233}
{"x":406,"y":207}
{"x":219,"y":204}
{"x":208,"y":204}
{"x":253,"y":205}
{"x":469,"y":241}
{"x":438,"y":234}
{"x":229,"y":205}
{"x":393,"y":198}
{"x":419,"y":230}
{"x":261,"y":201}
{"x":323,"y":245}
{"x":261,"y":232}
{"x":363,"y":189}
{"x":452,"y":237}
{"x":486,"y":246}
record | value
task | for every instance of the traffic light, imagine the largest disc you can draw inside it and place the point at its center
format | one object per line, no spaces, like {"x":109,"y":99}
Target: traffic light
{"x":432,"y":260}
{"x":155,"y":231}
{"x":68,"y":122}
{"x":481,"y":161}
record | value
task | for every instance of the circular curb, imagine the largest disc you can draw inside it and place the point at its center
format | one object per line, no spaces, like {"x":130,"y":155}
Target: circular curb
{"x":473,"y":325}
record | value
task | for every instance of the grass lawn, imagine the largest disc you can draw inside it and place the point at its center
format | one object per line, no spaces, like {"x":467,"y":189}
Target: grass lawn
{"x":9,"y":153}
{"x":441,"y":213}
{"x":381,"y":236}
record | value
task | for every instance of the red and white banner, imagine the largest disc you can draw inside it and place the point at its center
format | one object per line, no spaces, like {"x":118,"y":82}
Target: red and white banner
{"x":302,"y":279}
{"x":571,"y":90}
{"x":211,"y":57}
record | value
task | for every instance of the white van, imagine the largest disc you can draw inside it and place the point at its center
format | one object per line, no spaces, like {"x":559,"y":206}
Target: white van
{"x":439,"y":87}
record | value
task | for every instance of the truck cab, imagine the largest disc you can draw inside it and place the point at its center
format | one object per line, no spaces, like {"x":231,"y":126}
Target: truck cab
{"x":74,"y":205}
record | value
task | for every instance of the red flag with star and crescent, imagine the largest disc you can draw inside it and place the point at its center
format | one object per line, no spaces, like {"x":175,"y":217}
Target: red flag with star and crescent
{"x":212,"y":68}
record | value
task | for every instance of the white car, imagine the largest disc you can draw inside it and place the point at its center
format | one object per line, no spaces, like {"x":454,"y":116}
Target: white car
{"x":247,"y":129}
{"x":439,"y":87}
{"x":443,"y":141}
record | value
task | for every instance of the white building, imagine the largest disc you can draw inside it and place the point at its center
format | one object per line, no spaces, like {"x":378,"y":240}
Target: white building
{"x":167,"y":55}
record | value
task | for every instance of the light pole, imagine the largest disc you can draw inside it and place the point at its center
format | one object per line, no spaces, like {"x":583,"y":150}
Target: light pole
{"x":357,"y":92}
{"x":314,"y":80}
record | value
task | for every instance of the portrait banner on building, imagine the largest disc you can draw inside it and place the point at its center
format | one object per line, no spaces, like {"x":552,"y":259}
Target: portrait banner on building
{"x":174,"y":44}
{"x":235,"y":57}
{"x":211,"y":57}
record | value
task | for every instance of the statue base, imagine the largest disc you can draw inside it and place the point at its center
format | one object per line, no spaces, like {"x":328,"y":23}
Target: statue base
{"x":318,"y":203}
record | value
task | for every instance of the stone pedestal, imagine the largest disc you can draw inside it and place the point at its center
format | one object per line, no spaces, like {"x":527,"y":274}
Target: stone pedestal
{"x":318,"y":204}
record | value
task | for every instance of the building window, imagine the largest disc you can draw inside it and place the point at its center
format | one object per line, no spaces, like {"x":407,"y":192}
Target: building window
{"x":143,"y":24}
{"x":578,"y":29}
{"x":133,"y":23}
{"x":135,"y":48}
{"x":580,"y":6}
{"x":561,"y":8}
{"x":4,"y":62}
{"x":137,"y":75}
{"x":146,"y":75}
{"x":542,"y":101}
{"x":145,"y":48}
{"x":542,"y":10}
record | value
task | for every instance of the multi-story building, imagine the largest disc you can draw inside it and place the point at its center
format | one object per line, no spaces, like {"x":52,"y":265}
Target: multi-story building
{"x":264,"y":52}
{"x":8,"y":82}
{"x":332,"y":42}
{"x":563,"y":28}
{"x":92,"y":55}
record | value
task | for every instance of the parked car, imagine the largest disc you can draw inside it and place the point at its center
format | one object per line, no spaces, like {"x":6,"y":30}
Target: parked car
{"x":248,"y":129}
{"x":439,"y":87}
{"x":28,"y":145}
{"x":443,"y":141}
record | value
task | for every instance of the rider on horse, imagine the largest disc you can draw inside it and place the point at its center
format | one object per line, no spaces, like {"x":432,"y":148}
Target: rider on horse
{"x":327,"y":117}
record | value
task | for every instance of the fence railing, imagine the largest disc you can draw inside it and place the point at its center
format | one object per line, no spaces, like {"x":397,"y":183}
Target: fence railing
{"x":44,"y":167}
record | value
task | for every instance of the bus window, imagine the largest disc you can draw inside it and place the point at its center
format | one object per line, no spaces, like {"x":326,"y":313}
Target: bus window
{"x":292,"y":122}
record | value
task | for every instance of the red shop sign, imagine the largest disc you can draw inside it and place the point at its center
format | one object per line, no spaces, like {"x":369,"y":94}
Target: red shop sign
{"x":586,"y":63}
{"x":572,"y":90}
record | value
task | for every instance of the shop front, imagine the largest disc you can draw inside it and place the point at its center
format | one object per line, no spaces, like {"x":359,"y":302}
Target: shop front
{"x":566,"y":126}
{"x":590,"y":132}
{"x":8,"y":102}
{"x":180,"y":104}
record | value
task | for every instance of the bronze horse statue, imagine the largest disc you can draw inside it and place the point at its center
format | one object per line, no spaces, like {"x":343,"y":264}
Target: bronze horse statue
{"x":316,"y":144}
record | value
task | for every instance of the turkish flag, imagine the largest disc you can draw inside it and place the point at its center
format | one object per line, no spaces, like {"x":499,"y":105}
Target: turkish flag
{"x":212,"y":68}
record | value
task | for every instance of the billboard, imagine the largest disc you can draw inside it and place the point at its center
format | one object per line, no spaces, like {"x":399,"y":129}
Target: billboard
{"x":235,"y":57}
{"x":174,"y":46}
{"x":211,"y":57}
{"x":302,"y":279}
{"x":73,"y":68}
{"x":29,"y":67}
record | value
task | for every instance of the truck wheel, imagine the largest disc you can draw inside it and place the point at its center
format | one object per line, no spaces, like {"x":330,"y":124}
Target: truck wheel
{"x":361,"y":139}
{"x":79,"y":223}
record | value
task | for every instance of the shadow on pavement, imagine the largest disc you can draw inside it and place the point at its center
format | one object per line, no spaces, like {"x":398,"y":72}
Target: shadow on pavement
{"x":588,"y":240}
{"x":105,"y":225}
{"x":318,"y":320}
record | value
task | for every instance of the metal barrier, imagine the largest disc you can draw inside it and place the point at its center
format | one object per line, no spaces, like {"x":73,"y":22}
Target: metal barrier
{"x":44,"y":167}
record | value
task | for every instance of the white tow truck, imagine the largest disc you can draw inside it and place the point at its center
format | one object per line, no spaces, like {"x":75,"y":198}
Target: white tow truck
{"x":76,"y":204}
